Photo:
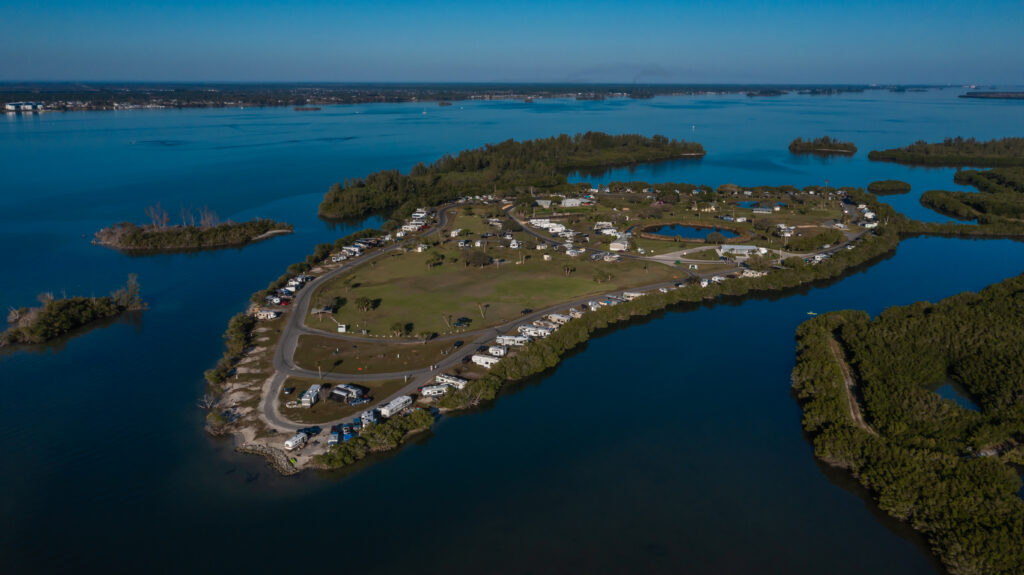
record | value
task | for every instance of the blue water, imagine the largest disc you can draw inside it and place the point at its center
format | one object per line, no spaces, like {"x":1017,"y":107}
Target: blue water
{"x":957,"y":394}
{"x":692,"y":232}
{"x":698,"y":465}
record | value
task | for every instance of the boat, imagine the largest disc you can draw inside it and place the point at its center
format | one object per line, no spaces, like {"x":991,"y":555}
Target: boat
{"x":306,"y":108}
{"x":812,"y":313}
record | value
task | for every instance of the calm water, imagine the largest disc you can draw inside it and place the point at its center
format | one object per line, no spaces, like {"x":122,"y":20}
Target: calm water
{"x":692,"y":232}
{"x":670,"y":446}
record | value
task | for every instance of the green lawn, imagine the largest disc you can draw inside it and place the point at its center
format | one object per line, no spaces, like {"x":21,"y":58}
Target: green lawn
{"x":407,"y":292}
{"x":370,"y":356}
{"x":327,"y":409}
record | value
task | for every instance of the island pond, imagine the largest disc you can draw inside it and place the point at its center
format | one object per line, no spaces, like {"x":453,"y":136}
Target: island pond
{"x":668,"y":445}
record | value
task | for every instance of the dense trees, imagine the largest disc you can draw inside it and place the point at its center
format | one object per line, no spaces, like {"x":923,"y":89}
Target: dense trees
{"x":883,"y":187}
{"x":957,"y":152}
{"x":929,"y":461}
{"x":1000,"y":197}
{"x":824,"y":145}
{"x":540,"y":163}
{"x":57,"y":317}
{"x":159,"y":236}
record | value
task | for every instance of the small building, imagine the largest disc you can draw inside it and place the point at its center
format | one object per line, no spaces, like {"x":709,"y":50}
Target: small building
{"x":514,"y":244}
{"x":545,"y":204}
{"x":422,"y":248}
{"x":558,"y":318}
{"x":741,"y":251}
{"x":498,"y":350}
{"x":547,"y":257}
{"x":762,"y":210}
{"x":267,"y":314}
{"x":619,"y":245}
{"x":456,"y":233}
{"x":572,"y":202}
{"x":631,"y":295}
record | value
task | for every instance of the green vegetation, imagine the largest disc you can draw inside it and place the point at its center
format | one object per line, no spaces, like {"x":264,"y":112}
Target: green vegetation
{"x":375,"y":438}
{"x":505,"y":167}
{"x":1000,"y":197}
{"x":207,"y":233}
{"x":370,"y":355}
{"x":884,"y":187}
{"x":56,"y":317}
{"x":824,"y":145}
{"x":928,"y":461}
{"x":957,"y":152}
{"x":236,"y":339}
{"x":401,"y":288}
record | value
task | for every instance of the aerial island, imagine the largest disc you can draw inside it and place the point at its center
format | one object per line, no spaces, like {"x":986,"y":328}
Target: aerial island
{"x":491,"y":266}
{"x":58,"y":316}
{"x":888,"y":187}
{"x":202,"y":230}
{"x":823,"y":146}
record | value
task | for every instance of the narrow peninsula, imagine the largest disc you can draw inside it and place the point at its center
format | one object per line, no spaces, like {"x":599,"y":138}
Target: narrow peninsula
{"x":196,"y":231}
{"x":956,"y":152}
{"x":923,"y":404}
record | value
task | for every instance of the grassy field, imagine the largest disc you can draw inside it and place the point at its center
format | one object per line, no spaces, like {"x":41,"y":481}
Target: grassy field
{"x":405,"y":291}
{"x":370,"y":356}
{"x":327,"y":409}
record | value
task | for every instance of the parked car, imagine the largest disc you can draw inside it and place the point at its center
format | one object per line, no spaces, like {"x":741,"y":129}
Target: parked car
{"x":289,"y":390}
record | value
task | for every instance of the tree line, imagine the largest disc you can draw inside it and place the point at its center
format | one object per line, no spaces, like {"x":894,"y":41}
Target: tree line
{"x":1000,"y":196}
{"x":957,"y":151}
{"x":824,"y":145}
{"x":939,"y":466}
{"x":504,"y":167}
{"x":883,"y":187}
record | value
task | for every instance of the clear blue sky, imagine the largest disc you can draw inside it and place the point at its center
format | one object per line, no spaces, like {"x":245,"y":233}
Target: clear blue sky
{"x":484,"y":41}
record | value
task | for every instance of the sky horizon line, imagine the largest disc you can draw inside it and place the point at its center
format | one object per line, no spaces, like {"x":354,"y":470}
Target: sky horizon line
{"x":817,"y":42}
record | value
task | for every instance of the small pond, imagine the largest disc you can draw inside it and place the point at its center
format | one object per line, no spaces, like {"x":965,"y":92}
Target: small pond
{"x":956,"y":392}
{"x":690,"y":232}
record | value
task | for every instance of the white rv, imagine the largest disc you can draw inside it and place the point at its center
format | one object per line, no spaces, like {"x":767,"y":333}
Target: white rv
{"x":487,"y":361}
{"x":296,"y":441}
{"x":395,"y":406}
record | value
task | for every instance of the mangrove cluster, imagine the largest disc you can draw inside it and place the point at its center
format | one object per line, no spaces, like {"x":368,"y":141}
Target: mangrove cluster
{"x":510,"y":165}
{"x":206,"y":234}
{"x":942,"y":467}
{"x":888,"y":187}
{"x":957,"y":152}
{"x":824,"y":145}
{"x":58,"y":316}
{"x":1000,"y":196}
